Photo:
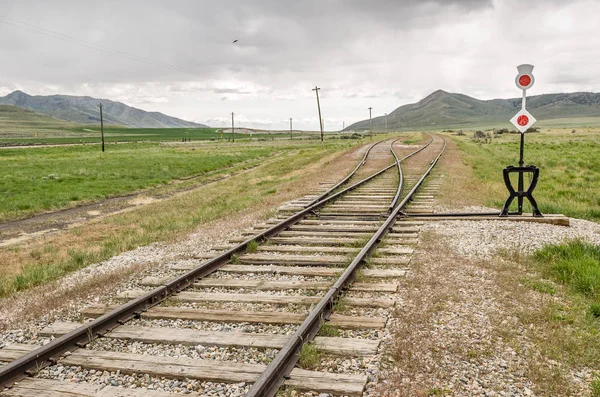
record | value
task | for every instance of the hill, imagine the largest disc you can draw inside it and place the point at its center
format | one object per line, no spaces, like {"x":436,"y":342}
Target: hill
{"x":13,"y":118}
{"x":442,"y":109}
{"x":84,"y":110}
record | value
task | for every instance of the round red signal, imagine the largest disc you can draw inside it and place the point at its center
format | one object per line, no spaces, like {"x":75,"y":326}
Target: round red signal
{"x":522,"y":120}
{"x":524,"y":80}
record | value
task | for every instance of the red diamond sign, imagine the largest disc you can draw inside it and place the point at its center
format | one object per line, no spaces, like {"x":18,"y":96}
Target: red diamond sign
{"x":523,"y":120}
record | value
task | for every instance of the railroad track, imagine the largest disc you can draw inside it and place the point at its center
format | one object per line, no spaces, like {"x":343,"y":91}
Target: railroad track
{"x":314,"y":285}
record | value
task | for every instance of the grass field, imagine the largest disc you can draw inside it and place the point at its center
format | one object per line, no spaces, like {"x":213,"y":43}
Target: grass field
{"x":92,"y":134}
{"x":37,"y":262}
{"x":569,"y":169}
{"x":42,"y":179}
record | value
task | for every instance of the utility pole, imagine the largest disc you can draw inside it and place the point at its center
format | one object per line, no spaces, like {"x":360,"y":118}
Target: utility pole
{"x":291,"y":129}
{"x":232,"y":129}
{"x":102,"y":127}
{"x":343,"y":125}
{"x":370,"y":124}
{"x":386,"y":123}
{"x":316,"y":89}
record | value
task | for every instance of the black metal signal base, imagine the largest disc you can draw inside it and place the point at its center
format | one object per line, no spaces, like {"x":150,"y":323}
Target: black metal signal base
{"x":521,"y":193}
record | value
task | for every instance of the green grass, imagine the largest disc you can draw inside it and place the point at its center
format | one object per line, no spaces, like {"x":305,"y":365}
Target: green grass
{"x":52,"y":132}
{"x":310,"y":356}
{"x":168,"y":220}
{"x":575,"y":264}
{"x":436,"y":391}
{"x":252,"y":246}
{"x":42,"y":179}
{"x":595,"y":387}
{"x":340,"y":305}
{"x":329,"y":330}
{"x":540,"y":286}
{"x":569,"y":170}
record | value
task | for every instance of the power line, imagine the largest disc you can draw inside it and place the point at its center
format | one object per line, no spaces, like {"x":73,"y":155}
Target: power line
{"x":98,"y":47}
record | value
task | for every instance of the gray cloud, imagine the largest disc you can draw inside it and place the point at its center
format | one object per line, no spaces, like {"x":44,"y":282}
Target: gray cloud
{"x":381,"y":53}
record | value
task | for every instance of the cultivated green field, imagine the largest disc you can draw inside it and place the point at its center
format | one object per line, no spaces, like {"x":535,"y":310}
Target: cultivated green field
{"x":569,"y":168}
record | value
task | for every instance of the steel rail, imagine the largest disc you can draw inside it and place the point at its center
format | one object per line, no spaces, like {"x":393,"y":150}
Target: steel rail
{"x":41,"y":357}
{"x":286,"y":359}
{"x":350,"y":175}
{"x":400,"y":185}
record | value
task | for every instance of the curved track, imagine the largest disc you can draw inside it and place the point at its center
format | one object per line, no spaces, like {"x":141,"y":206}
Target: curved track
{"x":287,"y":276}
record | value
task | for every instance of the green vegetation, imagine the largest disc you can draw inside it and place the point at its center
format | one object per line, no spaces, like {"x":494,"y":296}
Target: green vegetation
{"x":340,"y":305}
{"x":540,"y":286}
{"x":576,"y":264}
{"x":32,"y":264}
{"x":42,"y":179}
{"x":310,"y":356}
{"x":566,"y":328}
{"x":72,"y":134}
{"x":595,"y":386}
{"x":436,"y":391}
{"x":329,"y":330}
{"x":569,"y":169}
{"x":252,"y":246}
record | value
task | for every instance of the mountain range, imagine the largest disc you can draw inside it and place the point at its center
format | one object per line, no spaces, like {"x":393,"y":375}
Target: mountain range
{"x":84,"y":110}
{"x":442,"y":109}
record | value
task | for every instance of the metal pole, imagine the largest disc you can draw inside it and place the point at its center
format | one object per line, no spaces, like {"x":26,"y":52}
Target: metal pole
{"x":521,"y":182}
{"x":102,"y":127}
{"x":370,"y":124}
{"x":291,"y":129}
{"x":386,"y":131}
{"x":232,"y":129}
{"x":316,"y":89}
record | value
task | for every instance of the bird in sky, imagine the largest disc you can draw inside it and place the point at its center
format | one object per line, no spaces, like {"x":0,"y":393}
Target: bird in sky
{"x":235,"y":41}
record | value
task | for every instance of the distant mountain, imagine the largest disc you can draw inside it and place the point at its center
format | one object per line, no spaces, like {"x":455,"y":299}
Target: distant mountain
{"x":443,"y":110}
{"x":84,"y":110}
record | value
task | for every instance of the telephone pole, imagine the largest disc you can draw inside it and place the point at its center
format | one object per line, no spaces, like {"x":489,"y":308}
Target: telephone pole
{"x":102,"y":127}
{"x":370,"y":124}
{"x":386,"y":123}
{"x":232,"y":129}
{"x":291,"y":129}
{"x":316,"y":89}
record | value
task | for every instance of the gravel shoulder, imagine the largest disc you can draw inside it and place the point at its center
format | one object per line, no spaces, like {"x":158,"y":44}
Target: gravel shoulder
{"x":468,"y":324}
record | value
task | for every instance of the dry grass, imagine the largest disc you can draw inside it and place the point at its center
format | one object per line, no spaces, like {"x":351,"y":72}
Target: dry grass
{"x":552,"y":318}
{"x":426,"y":295}
{"x":458,"y":188}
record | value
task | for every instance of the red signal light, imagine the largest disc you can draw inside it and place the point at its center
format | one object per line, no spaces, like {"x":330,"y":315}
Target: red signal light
{"x":524,"y":80}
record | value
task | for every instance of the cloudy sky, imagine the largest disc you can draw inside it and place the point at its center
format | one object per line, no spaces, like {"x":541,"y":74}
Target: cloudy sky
{"x":177,"y":56}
